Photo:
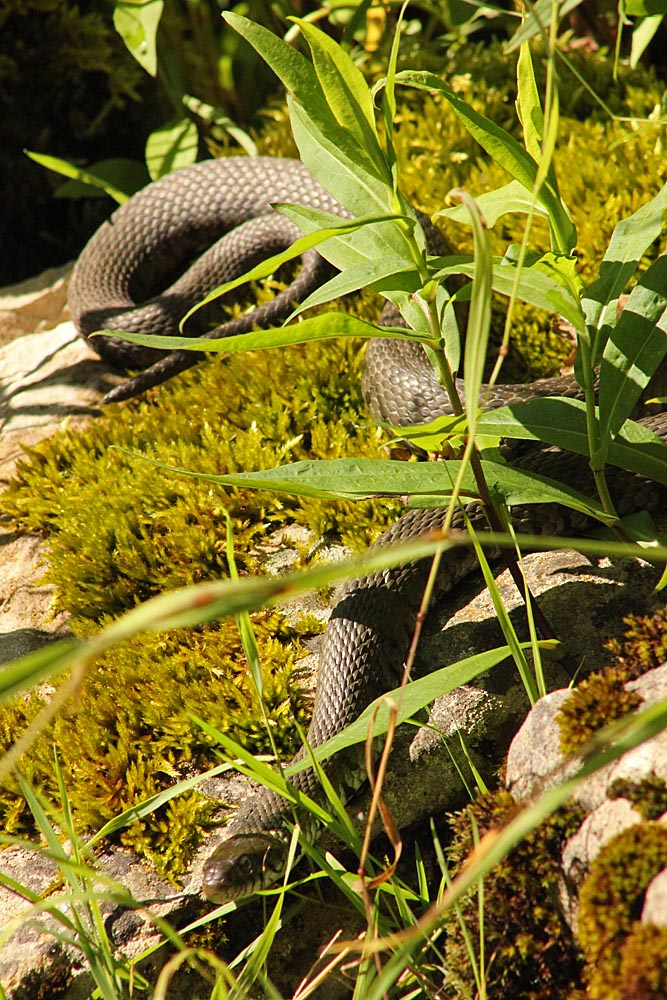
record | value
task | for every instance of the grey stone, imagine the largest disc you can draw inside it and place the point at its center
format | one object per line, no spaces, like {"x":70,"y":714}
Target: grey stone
{"x":600,"y":826}
{"x":654,"y":911}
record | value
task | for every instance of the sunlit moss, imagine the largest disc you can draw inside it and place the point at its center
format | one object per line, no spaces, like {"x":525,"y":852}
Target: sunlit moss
{"x":597,"y":701}
{"x":610,"y":903}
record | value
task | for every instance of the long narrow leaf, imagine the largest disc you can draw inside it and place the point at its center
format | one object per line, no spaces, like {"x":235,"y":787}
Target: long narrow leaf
{"x":324,"y":327}
{"x":629,"y":241}
{"x":562,"y":422}
{"x":414,"y":697}
{"x":636,"y":346}
{"x":363,"y":478}
{"x":504,"y":149}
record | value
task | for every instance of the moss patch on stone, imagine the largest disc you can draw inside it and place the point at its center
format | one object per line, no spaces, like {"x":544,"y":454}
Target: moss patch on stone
{"x":644,"y":644}
{"x":610,"y":905}
{"x":595,"y":703}
{"x":528,"y":949}
{"x":119,"y":531}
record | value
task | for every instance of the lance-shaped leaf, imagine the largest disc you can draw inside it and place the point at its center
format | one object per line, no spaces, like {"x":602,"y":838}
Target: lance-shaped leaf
{"x":629,"y":241}
{"x":636,"y":346}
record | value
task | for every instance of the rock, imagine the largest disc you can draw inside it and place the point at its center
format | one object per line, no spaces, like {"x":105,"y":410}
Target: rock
{"x":654,"y":910}
{"x":535,"y":764}
{"x":599,"y":827}
{"x":39,"y":303}
{"x":46,"y":378}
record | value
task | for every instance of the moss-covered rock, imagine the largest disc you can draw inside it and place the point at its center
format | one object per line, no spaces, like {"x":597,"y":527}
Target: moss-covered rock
{"x":643,"y":969}
{"x":121,"y":530}
{"x":610,"y":906}
{"x":529,"y":953}
{"x":596,"y":702}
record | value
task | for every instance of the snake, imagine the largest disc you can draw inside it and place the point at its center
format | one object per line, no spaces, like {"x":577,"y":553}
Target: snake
{"x":142,"y":271}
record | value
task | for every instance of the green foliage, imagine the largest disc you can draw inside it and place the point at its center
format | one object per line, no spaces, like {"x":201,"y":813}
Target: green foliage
{"x":530,"y":953}
{"x":609,"y":905}
{"x":130,"y":735}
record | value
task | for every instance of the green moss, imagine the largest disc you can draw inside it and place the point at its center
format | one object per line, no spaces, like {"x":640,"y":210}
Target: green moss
{"x":529,"y":950}
{"x":644,"y":644}
{"x":602,"y":697}
{"x":648,"y":796}
{"x":131,"y":734}
{"x":119,"y":531}
{"x":599,"y":700}
{"x":643,"y":971}
{"x":610,"y":903}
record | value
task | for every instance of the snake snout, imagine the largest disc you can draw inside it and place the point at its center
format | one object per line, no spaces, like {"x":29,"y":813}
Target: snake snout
{"x":242,"y":865}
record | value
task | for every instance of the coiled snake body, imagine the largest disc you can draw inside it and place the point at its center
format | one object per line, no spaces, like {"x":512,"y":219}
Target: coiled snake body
{"x":225,"y":205}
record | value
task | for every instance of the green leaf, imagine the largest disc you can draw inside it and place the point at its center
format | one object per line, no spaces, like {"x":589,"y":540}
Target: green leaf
{"x":513,"y":197}
{"x":343,"y":86}
{"x":416,"y":696}
{"x":324,"y":327}
{"x":340,"y":166}
{"x":546,"y":283}
{"x":171,"y":147}
{"x":430,"y":483}
{"x":85,"y":176}
{"x":629,"y":241}
{"x":291,"y":68}
{"x":642,"y":36}
{"x":646,"y":8}
{"x":317,"y":238}
{"x":300,"y":79}
{"x":479,"y":320}
{"x":219,"y":123}
{"x":504,"y":149}
{"x":536,"y":21}
{"x":562,"y":422}
{"x":528,"y":105}
{"x":136,"y":21}
{"x":363,"y":242}
{"x":386,"y":273}
{"x":636,"y":346}
{"x":119,"y":174}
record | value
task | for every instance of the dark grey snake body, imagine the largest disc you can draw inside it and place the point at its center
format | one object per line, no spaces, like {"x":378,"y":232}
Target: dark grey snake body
{"x":133,"y":257}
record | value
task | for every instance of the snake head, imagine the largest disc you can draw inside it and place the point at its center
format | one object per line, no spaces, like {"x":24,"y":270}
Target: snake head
{"x":243,"y":864}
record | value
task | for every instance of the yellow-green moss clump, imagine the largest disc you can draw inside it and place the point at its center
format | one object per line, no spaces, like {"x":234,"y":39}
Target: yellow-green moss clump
{"x":119,"y":531}
{"x":529,"y":951}
{"x":624,"y":961}
{"x":596,"y":702}
{"x":644,"y":644}
{"x":602,"y":698}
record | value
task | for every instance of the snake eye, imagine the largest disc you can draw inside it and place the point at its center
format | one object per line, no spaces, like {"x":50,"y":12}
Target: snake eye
{"x":245,"y":865}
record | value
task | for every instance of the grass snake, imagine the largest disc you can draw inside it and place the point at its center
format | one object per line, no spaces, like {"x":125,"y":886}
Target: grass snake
{"x":156,"y":257}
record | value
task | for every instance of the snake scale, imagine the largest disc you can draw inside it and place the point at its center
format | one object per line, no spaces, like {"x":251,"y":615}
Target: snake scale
{"x":215,"y":219}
